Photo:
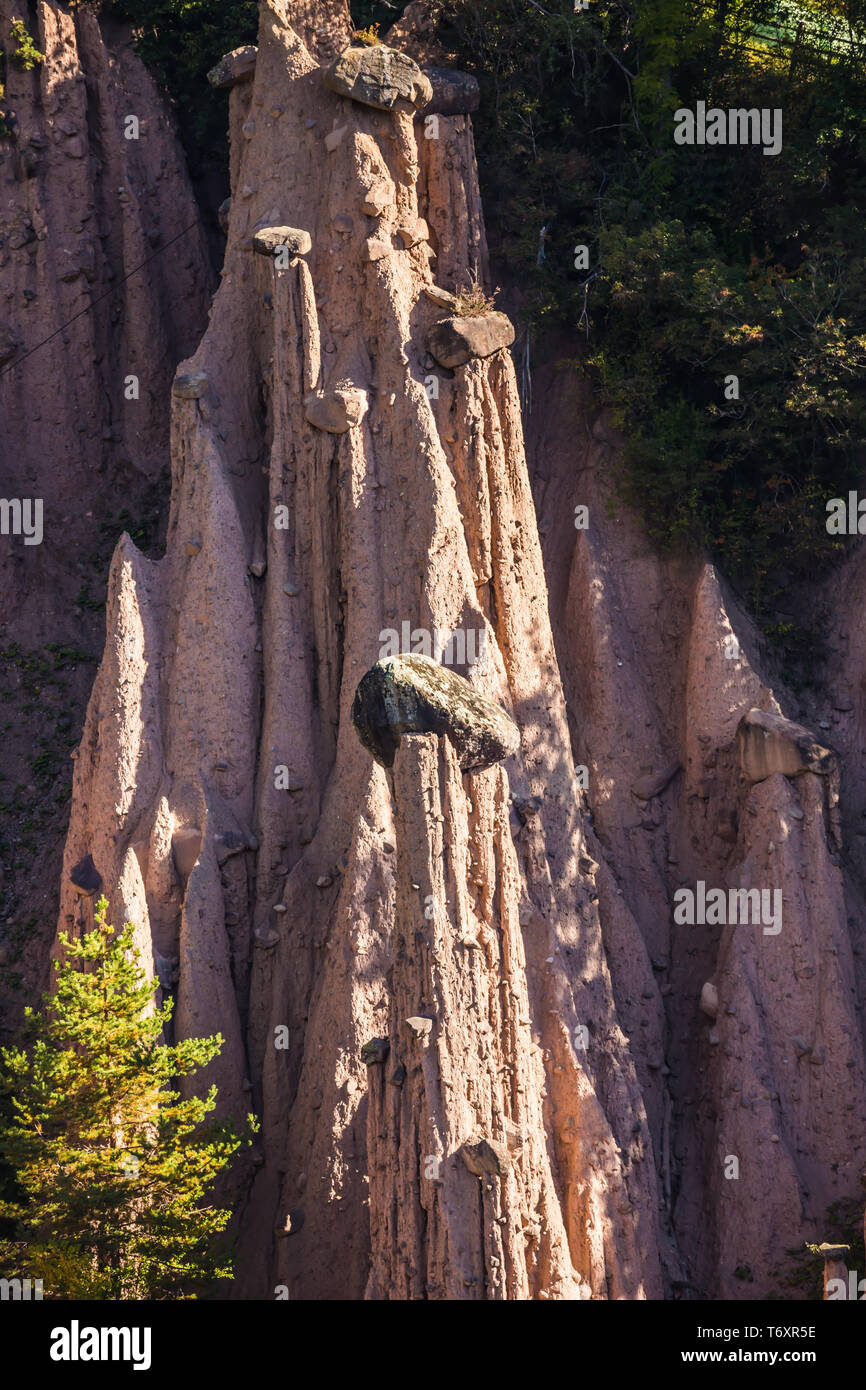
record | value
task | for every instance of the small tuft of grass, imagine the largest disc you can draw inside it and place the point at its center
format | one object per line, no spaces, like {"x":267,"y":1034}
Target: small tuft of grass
{"x":368,"y":36}
{"x":472,"y":300}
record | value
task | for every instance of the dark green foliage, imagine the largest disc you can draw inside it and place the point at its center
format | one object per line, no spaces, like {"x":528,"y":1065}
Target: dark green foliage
{"x":104,"y":1165}
{"x":180,"y":41}
{"x":703,"y":261}
{"x":381,"y":13}
{"x":46,"y":684}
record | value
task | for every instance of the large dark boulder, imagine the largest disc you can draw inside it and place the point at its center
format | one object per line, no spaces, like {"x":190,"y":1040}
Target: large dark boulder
{"x":378,"y":76}
{"x":457,"y":340}
{"x":412,"y":694}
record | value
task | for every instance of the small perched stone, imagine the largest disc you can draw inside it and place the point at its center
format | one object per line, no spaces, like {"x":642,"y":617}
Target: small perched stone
{"x":86,"y":877}
{"x":515,"y":1136}
{"x":266,"y":937}
{"x":410,"y":236}
{"x":378,"y":76}
{"x":413,"y":694}
{"x":377,"y":249}
{"x":526,"y":807}
{"x":189,"y":386}
{"x":267,"y":241}
{"x":421,"y":1027}
{"x":454,"y":93}
{"x":186,"y":847}
{"x":293,"y":1222}
{"x":376,"y":1050}
{"x":440,"y":296}
{"x":709,"y":999}
{"x":234,"y":67}
{"x":229,"y":842}
{"x":377,"y":199}
{"x":456,"y":340}
{"x":398,"y":1075}
{"x":336,"y":411}
{"x":768,"y":743}
{"x":654,"y":783}
{"x":483,"y":1156}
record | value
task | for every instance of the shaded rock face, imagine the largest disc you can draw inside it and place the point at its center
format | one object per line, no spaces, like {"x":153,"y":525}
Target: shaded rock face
{"x":560,"y":1130}
{"x":379,"y":76}
{"x":453,"y":342}
{"x":104,"y":287}
{"x":454,"y":93}
{"x":223,"y":703}
{"x":412,"y":694}
{"x":654,"y":784}
{"x":768,"y":743}
{"x":85,"y":877}
{"x":746,"y":1044}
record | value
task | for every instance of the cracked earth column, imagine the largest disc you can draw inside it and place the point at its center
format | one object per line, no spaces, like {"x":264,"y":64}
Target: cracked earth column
{"x":461,"y":1195}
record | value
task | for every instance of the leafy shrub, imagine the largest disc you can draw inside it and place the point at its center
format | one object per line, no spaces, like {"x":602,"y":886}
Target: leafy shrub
{"x":368,"y":36}
{"x":25,"y":56}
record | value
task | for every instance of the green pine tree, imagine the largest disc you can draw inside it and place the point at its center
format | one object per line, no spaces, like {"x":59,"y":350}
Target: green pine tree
{"x":111,"y":1166}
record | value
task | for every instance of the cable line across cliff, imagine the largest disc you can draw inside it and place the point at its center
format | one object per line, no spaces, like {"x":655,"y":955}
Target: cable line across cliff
{"x":93,"y":303}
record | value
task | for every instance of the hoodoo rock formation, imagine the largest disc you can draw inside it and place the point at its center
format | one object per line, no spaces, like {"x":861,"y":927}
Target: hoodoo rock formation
{"x":660,"y":670}
{"x":509,"y":1074}
{"x":290,"y":548}
{"x":104,"y":285}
